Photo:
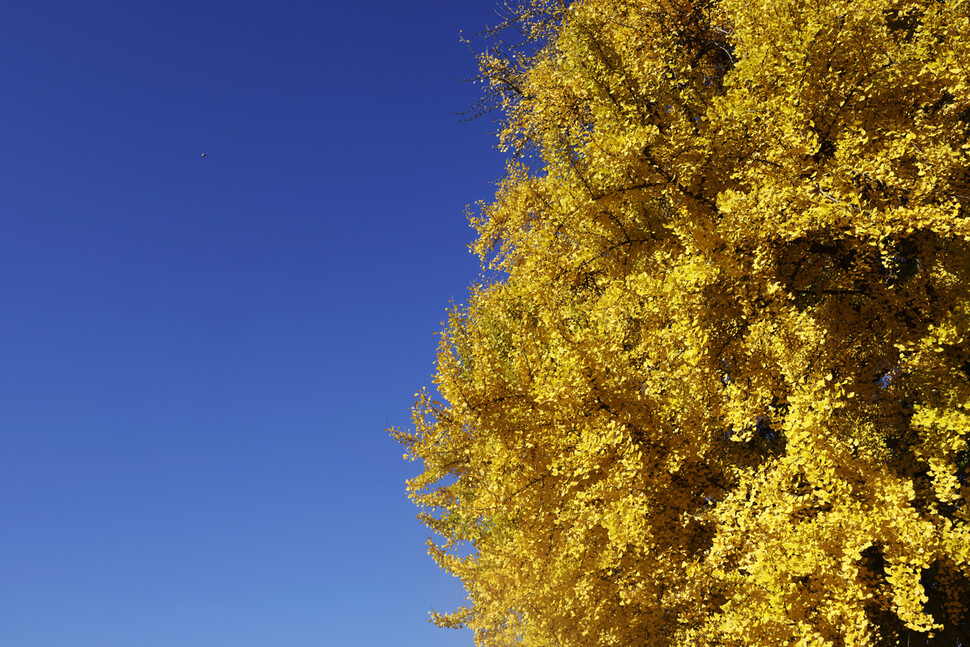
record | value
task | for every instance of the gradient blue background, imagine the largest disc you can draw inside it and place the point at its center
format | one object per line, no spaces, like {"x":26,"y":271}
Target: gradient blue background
{"x":199,"y":356}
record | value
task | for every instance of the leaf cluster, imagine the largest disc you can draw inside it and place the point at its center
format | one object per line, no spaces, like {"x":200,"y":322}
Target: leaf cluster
{"x":721,"y":395}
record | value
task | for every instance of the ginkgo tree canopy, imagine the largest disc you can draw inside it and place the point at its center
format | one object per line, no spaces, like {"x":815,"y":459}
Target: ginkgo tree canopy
{"x":720,"y":392}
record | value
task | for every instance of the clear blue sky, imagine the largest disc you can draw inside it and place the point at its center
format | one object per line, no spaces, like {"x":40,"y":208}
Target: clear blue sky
{"x":199,"y":356}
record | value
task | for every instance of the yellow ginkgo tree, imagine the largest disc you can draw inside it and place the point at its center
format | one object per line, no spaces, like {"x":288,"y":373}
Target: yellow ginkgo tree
{"x":719,"y":393}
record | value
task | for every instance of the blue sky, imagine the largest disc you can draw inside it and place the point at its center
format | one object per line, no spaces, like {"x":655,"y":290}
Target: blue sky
{"x":200,"y":356}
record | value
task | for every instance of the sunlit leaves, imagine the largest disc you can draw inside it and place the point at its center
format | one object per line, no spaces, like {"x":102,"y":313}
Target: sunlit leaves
{"x":720,"y":393}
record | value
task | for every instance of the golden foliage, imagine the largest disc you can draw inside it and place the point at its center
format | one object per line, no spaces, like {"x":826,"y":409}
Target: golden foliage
{"x":721,"y":395}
